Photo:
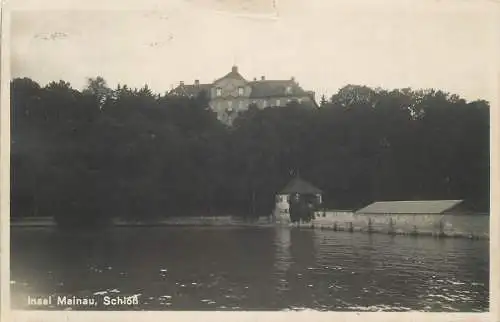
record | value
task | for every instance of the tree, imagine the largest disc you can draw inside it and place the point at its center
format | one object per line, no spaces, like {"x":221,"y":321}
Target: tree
{"x":302,"y":208}
{"x":351,"y":95}
{"x":98,"y":88}
{"x":323,"y":101}
{"x":140,"y":155}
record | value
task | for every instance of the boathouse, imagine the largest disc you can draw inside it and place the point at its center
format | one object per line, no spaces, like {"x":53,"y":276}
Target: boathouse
{"x":296,"y":188}
{"x":422,"y":216}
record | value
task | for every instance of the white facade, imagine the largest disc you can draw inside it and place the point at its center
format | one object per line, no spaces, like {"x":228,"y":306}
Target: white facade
{"x":282,"y":209}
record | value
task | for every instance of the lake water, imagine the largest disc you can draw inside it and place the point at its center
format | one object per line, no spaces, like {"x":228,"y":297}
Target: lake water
{"x":215,"y":268}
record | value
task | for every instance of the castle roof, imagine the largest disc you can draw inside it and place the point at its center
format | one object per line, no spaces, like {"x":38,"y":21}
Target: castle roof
{"x":259,"y":88}
{"x":191,"y":89}
{"x":270,"y":88}
{"x":232,"y":74}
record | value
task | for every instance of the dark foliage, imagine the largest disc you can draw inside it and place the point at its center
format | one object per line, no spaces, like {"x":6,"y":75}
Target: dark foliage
{"x":302,"y":208}
{"x":85,"y":157}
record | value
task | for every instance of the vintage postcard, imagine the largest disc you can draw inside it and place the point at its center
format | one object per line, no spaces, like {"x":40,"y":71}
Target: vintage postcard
{"x":301,"y":158}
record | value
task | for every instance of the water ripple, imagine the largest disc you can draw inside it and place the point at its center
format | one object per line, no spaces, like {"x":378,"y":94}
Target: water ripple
{"x":264,"y":269}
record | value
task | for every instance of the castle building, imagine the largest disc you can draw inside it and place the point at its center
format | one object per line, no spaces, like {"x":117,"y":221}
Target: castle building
{"x":232,"y":94}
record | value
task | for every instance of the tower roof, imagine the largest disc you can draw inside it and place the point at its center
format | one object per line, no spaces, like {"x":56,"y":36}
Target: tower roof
{"x":298,"y":185}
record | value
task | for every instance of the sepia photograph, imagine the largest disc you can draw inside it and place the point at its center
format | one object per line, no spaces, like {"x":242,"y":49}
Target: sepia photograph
{"x":252,"y":156}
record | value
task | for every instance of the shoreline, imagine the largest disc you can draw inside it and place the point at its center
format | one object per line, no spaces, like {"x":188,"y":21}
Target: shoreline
{"x":472,"y":236}
{"x":446,"y":235}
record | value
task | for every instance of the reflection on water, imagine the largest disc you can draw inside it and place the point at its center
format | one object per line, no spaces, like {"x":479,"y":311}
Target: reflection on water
{"x":283,"y":258}
{"x":252,"y":268}
{"x":282,"y":243}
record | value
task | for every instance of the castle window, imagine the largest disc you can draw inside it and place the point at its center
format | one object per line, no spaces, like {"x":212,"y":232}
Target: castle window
{"x":219,"y":91}
{"x":241,"y":105}
{"x":300,"y":100}
{"x":278,"y":102}
{"x":289,"y":90}
{"x":264,"y":104}
{"x":241,"y":91}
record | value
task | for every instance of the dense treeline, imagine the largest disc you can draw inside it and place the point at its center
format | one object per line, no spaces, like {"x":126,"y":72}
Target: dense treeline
{"x":85,"y":156}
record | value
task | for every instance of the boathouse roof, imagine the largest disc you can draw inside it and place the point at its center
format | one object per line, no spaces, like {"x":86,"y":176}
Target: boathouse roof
{"x":410,"y":207}
{"x":298,"y":185}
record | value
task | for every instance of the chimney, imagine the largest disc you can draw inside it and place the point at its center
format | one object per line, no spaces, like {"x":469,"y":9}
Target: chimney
{"x":293,"y":79}
{"x":197,"y":82}
{"x":263,"y":78}
{"x":234,"y":69}
{"x":255,"y":79}
{"x":182,"y":83}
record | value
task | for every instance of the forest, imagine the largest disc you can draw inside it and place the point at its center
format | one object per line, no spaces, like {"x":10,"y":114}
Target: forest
{"x":85,"y":156}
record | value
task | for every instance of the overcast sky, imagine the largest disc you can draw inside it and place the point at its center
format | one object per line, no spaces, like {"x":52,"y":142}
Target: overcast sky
{"x":444,"y":44}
